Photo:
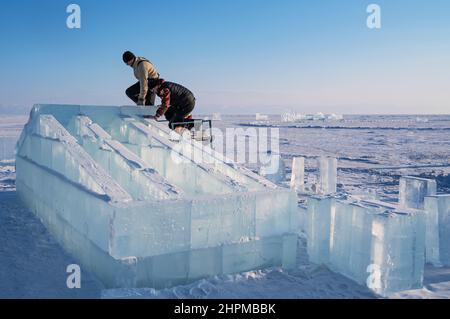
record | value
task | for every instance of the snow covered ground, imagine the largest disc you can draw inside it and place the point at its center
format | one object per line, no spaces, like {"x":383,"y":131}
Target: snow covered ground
{"x":373,"y":152}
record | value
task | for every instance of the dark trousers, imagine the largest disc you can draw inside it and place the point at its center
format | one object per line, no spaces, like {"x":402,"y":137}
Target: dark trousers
{"x":133,"y":93}
{"x":176,"y":113}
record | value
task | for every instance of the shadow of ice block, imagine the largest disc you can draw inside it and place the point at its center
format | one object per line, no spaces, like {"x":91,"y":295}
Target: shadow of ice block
{"x":437,"y":210}
{"x":413,"y":191}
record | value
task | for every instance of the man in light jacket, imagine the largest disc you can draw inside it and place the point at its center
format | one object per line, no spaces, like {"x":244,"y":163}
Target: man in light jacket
{"x":143,"y":71}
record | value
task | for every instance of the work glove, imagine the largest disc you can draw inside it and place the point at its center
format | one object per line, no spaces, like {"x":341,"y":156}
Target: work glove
{"x":141,"y":102}
{"x":160,"y":111}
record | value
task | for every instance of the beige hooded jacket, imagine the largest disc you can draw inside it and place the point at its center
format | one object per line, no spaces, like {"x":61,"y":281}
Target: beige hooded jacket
{"x":143,"y":70}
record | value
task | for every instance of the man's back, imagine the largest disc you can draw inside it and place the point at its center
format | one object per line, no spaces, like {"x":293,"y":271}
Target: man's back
{"x":143,"y":68}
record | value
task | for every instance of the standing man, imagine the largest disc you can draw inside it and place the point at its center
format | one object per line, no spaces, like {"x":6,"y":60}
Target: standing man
{"x":143,"y":71}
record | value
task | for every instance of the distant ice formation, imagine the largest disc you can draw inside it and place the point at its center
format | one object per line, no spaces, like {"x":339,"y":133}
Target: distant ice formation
{"x":261,"y":117}
{"x":294,"y":117}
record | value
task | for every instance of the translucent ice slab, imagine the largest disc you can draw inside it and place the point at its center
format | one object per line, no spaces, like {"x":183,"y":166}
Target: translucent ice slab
{"x":413,"y":191}
{"x":437,"y":210}
{"x":376,"y":244}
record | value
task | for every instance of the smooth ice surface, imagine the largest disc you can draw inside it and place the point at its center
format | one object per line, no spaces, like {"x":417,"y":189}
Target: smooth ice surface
{"x":437,"y":209}
{"x":413,"y":191}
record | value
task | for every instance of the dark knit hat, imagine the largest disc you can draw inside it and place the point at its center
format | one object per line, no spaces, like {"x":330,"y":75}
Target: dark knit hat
{"x":128,"y":56}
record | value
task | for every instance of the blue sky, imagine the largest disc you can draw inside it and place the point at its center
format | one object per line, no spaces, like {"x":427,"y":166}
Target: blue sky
{"x":237,"y":56}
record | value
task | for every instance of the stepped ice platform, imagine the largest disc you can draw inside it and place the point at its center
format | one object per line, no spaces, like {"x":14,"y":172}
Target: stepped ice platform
{"x":140,"y":210}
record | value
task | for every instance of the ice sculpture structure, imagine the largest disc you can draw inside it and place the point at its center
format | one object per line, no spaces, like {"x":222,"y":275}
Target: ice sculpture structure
{"x":126,"y":200}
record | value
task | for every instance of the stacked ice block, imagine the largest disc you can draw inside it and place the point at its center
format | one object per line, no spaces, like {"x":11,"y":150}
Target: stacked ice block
{"x":327,"y":175}
{"x":375,"y":244}
{"x":136,"y":210}
{"x":413,"y":191}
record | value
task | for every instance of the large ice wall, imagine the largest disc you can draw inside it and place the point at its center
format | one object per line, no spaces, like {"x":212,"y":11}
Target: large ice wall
{"x":116,"y":198}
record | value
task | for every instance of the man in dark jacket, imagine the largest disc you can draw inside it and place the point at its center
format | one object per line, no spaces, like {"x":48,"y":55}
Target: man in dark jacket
{"x":177,"y":103}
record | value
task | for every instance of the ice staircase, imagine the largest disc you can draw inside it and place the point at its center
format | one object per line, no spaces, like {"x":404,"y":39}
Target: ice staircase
{"x":140,"y":210}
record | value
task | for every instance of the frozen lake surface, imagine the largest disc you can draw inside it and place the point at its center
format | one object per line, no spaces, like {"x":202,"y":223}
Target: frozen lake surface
{"x":373,"y":152}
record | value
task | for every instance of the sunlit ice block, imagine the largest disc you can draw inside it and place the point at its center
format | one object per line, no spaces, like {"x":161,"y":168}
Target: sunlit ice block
{"x":437,"y":210}
{"x":233,"y":218}
{"x":319,"y":214}
{"x":298,"y":174}
{"x":350,"y":239}
{"x":361,"y":240}
{"x":327,"y":175}
{"x":413,"y":191}
{"x":398,"y":251}
{"x":341,"y":226}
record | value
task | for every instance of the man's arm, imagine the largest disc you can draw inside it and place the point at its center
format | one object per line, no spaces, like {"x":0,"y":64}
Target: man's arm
{"x":143,"y":81}
{"x":164,"y":94}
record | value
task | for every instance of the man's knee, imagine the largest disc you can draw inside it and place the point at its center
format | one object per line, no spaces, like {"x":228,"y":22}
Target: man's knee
{"x":128,"y":92}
